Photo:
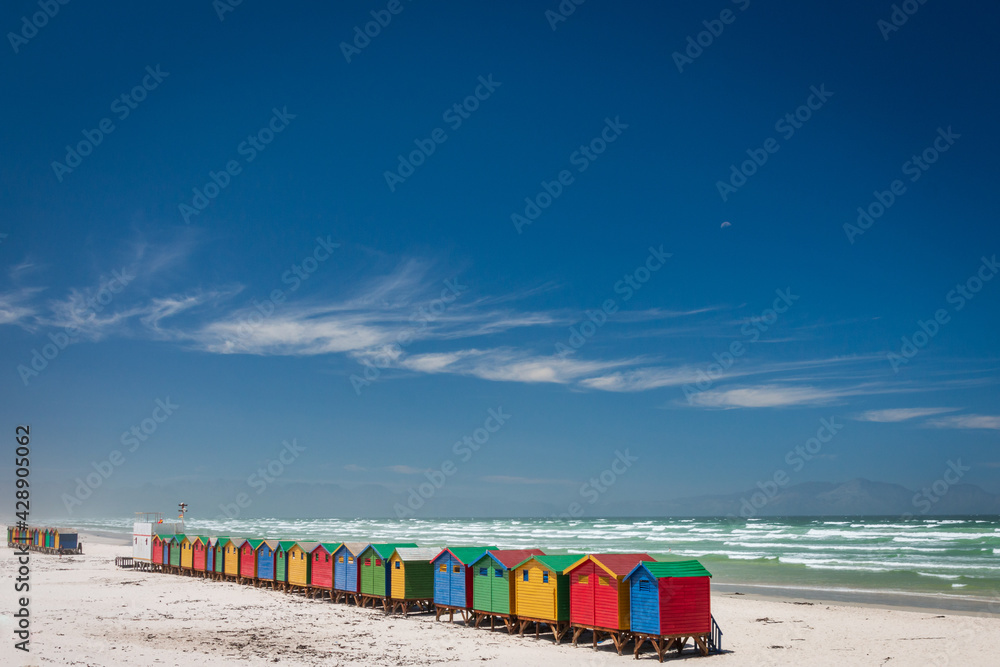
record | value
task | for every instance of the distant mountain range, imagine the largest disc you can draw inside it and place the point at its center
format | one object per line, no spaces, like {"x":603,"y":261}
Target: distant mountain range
{"x":856,"y":497}
{"x":209,"y":500}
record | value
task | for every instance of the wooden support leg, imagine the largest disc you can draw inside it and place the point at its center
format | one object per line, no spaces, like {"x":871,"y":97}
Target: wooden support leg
{"x":576,"y":635}
{"x":638,"y":645}
{"x":701,"y":643}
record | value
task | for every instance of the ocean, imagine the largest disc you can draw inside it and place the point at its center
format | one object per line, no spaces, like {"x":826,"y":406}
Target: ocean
{"x":949,"y":559}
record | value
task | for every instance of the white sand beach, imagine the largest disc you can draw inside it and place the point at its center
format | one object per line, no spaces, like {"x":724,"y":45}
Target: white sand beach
{"x":85,"y":611}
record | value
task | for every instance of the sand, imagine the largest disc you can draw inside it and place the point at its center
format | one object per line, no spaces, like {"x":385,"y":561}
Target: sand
{"x":85,"y":611}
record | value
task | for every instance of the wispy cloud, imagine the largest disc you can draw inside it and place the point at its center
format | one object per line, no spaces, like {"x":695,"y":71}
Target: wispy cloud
{"x":766,"y":396}
{"x":14,"y":306}
{"x":900,"y":414}
{"x":990,"y":422}
{"x":353,"y":467}
{"x":405,"y":469}
{"x":506,"y":479}
{"x":509,"y":365}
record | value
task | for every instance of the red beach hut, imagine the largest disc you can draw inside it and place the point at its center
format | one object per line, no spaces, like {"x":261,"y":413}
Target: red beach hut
{"x":599,"y":596}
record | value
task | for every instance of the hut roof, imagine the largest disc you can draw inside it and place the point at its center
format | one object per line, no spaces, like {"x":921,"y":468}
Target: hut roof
{"x":307,"y":546}
{"x":557,"y":563}
{"x":331,"y":546}
{"x":355,"y":548}
{"x":410,"y":554}
{"x":678,"y":568}
{"x":285,"y":545}
{"x":179,"y":537}
{"x":464,"y":555}
{"x":255,"y":543}
{"x":272,"y":544}
{"x":617,"y":565}
{"x":510,"y":558}
{"x":385,"y":550}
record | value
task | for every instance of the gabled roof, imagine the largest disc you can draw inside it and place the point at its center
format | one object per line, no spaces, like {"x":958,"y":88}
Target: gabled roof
{"x":285,"y":545}
{"x":464,"y":555}
{"x":557,"y":563}
{"x":199,"y":538}
{"x":179,"y":537}
{"x":255,"y":543}
{"x":307,"y":546}
{"x":385,"y":550}
{"x":617,"y":565}
{"x":213,"y":541}
{"x":330,"y":547}
{"x":271,"y":544}
{"x":354,"y":548}
{"x":411,"y":554}
{"x":677,"y":568}
{"x":236,"y":541}
{"x":509,"y":558}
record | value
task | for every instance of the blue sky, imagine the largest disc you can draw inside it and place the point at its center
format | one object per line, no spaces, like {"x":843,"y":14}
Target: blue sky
{"x":454,"y":293}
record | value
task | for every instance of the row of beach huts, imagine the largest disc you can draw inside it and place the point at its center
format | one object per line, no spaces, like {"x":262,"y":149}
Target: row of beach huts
{"x":621,"y":597}
{"x":44,"y":539}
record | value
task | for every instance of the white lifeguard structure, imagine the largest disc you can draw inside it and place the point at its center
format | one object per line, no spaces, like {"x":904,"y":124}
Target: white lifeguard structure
{"x":145,"y":526}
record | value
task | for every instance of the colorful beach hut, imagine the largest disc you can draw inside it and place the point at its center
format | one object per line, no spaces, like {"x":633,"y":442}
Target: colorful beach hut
{"x":281,"y":564}
{"x":157,"y":552}
{"x":599,"y":596}
{"x":231,"y":558}
{"x":671,"y":602}
{"x":541,"y":591}
{"x":300,"y":566}
{"x":218,"y":546}
{"x":210,"y":556}
{"x":198,"y":555}
{"x":187,"y":553}
{"x":175,"y":553}
{"x":265,"y":562}
{"x":493,"y":587}
{"x":412,"y":579}
{"x":248,"y":561}
{"x":345,"y":572}
{"x":321,"y":577}
{"x":67,"y":541}
{"x":453,"y":580}
{"x":376,"y":585}
{"x":166,"y":541}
